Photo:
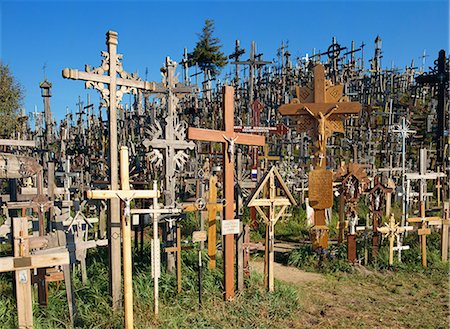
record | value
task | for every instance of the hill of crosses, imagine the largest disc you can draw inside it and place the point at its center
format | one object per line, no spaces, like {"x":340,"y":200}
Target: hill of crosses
{"x":307,"y":192}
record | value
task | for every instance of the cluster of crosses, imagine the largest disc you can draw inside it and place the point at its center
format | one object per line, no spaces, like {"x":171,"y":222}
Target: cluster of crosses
{"x":127,"y":183}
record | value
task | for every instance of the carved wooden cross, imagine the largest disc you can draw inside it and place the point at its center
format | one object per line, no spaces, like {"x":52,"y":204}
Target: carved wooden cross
{"x":21,"y":263}
{"x":392,"y":230}
{"x":219,"y":137}
{"x":276,"y":207}
{"x":126,"y":195}
{"x":119,"y":83}
{"x":319,"y":110}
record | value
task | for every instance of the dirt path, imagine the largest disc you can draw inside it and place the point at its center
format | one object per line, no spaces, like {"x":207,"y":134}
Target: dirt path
{"x":287,"y":273}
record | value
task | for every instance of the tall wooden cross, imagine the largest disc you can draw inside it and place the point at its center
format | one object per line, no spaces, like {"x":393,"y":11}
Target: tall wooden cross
{"x":229,"y":138}
{"x":169,"y":143}
{"x":318,"y":110}
{"x":119,"y":83}
{"x":276,"y":207}
{"x":126,"y":195}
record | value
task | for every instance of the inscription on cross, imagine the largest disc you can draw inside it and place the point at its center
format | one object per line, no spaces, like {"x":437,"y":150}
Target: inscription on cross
{"x":230,"y":138}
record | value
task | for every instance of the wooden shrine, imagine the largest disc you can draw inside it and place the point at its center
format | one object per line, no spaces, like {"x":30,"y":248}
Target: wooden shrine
{"x":276,"y":205}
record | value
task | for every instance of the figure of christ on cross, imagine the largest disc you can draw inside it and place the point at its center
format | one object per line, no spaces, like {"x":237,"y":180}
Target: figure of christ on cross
{"x":323,"y":104}
{"x":229,"y":137}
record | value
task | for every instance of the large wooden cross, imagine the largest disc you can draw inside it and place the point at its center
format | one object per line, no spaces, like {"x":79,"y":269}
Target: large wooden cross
{"x":230,"y":138}
{"x":276,"y":207}
{"x":126,"y":195}
{"x":319,"y":110}
{"x":119,"y":83}
{"x":21,"y":263}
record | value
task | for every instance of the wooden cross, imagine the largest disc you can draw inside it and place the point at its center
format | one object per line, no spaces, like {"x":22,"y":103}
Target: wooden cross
{"x":156,"y":211}
{"x":119,"y":83}
{"x":277,"y":205}
{"x":319,"y":111}
{"x":424,"y":231}
{"x":126,"y":195}
{"x":392,"y":230}
{"x":230,"y":138}
{"x":21,"y":263}
{"x":169,"y":144}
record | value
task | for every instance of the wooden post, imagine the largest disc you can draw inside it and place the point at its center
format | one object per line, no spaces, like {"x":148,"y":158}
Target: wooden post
{"x":228,"y":137}
{"x":444,"y":238}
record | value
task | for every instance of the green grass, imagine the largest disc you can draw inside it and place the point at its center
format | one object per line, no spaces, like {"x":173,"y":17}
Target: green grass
{"x":251,"y":307}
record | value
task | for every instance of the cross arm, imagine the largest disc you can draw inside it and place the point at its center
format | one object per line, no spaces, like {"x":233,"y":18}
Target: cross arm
{"x":131,"y":194}
{"x":300,"y":108}
{"x":248,"y":139}
{"x":207,"y":135}
{"x":79,"y":75}
{"x":8,"y":264}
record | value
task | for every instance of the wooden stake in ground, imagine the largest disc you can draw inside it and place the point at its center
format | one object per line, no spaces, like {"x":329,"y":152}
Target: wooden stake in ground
{"x":112,"y":96}
{"x":276,"y":207}
{"x":319,"y":110}
{"x":230,"y":138}
{"x":126,"y":195}
{"x":392,"y":230}
{"x":21,"y":263}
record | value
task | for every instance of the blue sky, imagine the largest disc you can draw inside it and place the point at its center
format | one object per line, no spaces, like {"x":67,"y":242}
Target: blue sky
{"x":72,"y":34}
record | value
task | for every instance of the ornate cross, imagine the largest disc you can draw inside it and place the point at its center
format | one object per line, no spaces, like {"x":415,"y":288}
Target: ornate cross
{"x":119,"y":83}
{"x":319,"y":110}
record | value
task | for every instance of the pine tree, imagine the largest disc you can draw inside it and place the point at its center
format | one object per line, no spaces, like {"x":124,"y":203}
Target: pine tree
{"x":11,"y":96}
{"x":207,"y":52}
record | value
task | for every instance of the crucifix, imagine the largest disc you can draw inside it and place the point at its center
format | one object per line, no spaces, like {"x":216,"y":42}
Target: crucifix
{"x":218,"y":137}
{"x":21,"y":264}
{"x":393,"y":230}
{"x":169,"y":143}
{"x":126,"y":195}
{"x":319,"y":110}
{"x":119,"y":83}
{"x":277,"y":205}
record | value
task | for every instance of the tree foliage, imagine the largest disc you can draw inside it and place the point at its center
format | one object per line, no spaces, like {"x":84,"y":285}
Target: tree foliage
{"x":11,"y":96}
{"x":207,"y":52}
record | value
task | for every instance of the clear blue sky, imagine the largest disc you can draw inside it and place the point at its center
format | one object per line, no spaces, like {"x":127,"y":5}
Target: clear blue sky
{"x":72,"y":34}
